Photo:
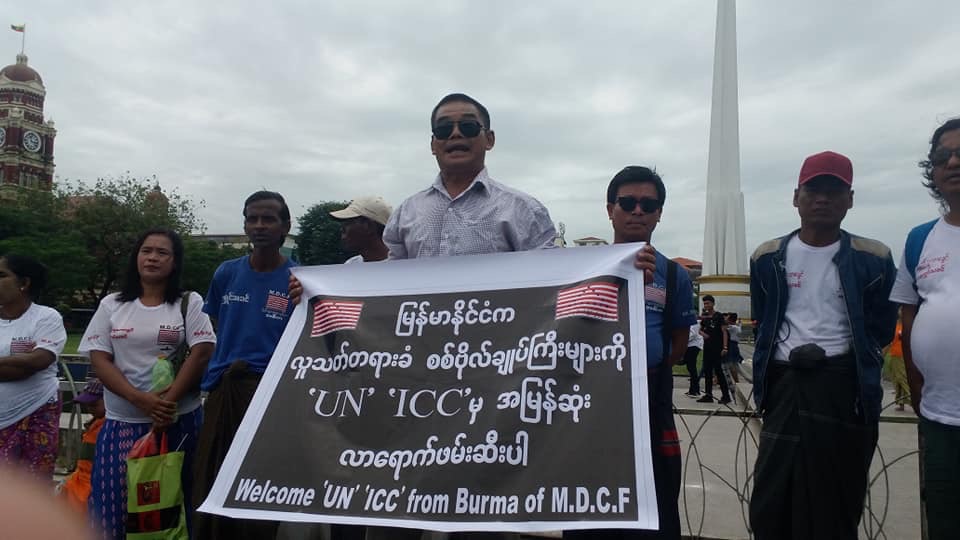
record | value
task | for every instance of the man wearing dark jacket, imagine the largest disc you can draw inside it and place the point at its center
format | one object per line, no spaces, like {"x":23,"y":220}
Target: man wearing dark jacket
{"x":821,"y":297}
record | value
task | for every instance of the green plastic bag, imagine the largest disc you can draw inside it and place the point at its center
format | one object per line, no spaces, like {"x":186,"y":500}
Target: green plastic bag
{"x":162,"y":375}
{"x":154,"y":493}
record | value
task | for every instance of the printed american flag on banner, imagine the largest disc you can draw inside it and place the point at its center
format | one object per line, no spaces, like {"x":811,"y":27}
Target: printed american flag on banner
{"x":597,"y":300}
{"x":167,"y":336}
{"x":332,"y":315}
{"x":20,"y":346}
{"x":277,"y":303}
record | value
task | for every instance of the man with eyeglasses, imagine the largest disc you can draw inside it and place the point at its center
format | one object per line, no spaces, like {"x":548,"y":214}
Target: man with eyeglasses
{"x":821,"y":297}
{"x":927,"y":288}
{"x":635,"y":198}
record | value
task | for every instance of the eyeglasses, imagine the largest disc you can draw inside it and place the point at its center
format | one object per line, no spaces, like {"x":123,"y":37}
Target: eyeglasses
{"x":942,"y":155}
{"x":647,"y":204}
{"x":468,"y":128}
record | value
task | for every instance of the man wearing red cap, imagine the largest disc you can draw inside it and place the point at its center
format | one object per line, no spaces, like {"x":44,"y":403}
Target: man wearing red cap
{"x":821,"y":297}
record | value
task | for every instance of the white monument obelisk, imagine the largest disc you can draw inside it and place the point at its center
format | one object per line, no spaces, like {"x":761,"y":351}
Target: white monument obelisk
{"x":725,"y":269}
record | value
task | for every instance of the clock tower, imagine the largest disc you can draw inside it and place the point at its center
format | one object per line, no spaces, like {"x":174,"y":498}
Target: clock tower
{"x":26,"y":139}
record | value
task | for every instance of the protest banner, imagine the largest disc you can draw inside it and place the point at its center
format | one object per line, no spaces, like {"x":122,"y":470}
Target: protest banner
{"x":502,"y":392}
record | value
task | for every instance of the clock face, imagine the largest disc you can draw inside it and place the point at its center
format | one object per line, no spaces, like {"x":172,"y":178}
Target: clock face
{"x":31,"y":141}
{"x":3,"y":136}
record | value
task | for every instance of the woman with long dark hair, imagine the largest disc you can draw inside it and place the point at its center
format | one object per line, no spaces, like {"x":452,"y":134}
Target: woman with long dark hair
{"x":31,"y":337}
{"x":128,"y":334}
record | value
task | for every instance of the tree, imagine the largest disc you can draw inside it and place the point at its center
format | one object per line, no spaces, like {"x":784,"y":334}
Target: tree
{"x":319,"y":239}
{"x":33,"y":224}
{"x":201,"y":259}
{"x":110,"y":215}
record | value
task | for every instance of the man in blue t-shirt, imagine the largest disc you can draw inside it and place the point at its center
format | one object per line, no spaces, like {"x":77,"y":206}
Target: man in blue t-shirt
{"x":635,"y":200}
{"x":249,"y":305}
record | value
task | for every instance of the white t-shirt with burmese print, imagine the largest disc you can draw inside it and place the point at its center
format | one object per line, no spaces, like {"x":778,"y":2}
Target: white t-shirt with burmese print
{"x":137,"y":335}
{"x":40,"y":327}
{"x":816,"y":309}
{"x":935,"y":341}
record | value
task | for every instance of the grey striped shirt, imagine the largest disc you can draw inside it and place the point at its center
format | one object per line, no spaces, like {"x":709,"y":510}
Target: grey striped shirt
{"x":488,"y":217}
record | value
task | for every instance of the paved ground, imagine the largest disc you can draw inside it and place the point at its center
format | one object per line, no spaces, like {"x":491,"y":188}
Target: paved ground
{"x":718,"y":457}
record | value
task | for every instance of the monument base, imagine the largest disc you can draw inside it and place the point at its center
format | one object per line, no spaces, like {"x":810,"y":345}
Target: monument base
{"x":732,"y":293}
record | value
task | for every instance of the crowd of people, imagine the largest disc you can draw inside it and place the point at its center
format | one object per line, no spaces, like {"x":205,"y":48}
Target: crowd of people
{"x":825,"y":301}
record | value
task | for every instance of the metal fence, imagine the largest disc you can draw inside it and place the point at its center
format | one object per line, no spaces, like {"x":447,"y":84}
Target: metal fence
{"x":719,"y":449}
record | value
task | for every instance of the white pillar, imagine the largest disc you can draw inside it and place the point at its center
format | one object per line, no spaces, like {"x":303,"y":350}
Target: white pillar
{"x":724,"y":235}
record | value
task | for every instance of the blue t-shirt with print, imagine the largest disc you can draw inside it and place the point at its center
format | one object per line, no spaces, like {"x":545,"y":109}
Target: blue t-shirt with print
{"x":251,"y":310}
{"x":655,"y":297}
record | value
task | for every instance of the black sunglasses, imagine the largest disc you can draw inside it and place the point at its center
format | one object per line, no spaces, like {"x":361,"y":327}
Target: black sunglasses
{"x":468,"y":128}
{"x":647,"y":204}
{"x":942,"y":155}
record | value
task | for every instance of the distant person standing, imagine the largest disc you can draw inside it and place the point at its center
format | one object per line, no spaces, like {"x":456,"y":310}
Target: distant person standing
{"x":733,"y":357}
{"x":897,"y":369}
{"x":694,"y":346}
{"x":927,"y":289}
{"x":715,"y":346}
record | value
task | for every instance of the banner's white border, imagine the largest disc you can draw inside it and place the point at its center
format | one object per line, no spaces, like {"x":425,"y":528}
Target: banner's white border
{"x":541,"y":268}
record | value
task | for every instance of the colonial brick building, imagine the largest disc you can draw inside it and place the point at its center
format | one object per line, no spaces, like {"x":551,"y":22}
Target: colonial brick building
{"x":26,"y":138}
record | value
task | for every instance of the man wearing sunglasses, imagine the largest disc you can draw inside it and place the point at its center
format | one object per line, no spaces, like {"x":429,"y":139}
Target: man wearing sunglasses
{"x":927,"y":288}
{"x":464,"y":211}
{"x":821,"y":297}
{"x":635,"y":198}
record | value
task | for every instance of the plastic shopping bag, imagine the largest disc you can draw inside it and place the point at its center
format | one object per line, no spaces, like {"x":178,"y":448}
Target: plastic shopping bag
{"x":154,"y":494}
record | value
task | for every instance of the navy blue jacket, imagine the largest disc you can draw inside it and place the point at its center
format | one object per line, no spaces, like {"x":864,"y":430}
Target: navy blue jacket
{"x":866,"y":273}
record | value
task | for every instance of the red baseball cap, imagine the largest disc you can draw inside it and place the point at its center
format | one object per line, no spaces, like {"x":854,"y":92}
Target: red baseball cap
{"x":827,"y":163}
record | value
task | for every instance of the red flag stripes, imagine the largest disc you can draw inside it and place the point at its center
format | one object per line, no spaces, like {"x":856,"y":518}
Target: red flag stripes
{"x":597,"y":300}
{"x":332,"y":315}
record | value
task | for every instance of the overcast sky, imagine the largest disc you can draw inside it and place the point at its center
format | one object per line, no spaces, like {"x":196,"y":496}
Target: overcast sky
{"x":328,"y":100}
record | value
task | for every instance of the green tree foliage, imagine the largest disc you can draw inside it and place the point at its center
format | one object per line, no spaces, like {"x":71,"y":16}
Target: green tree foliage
{"x":33,"y":225}
{"x":84,"y":234}
{"x":201,"y":259}
{"x":112,"y":213}
{"x":319,"y":239}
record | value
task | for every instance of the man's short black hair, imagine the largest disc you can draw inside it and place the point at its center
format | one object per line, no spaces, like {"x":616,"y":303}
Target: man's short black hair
{"x":269,"y":196}
{"x":636,"y":174}
{"x":927,"y":165}
{"x":461,"y":98}
{"x":708,"y":298}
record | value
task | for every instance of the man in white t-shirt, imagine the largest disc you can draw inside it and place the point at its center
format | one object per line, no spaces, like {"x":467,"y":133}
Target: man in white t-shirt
{"x":927,"y":288}
{"x":361,"y":228}
{"x":694,"y":346}
{"x":821,"y":297}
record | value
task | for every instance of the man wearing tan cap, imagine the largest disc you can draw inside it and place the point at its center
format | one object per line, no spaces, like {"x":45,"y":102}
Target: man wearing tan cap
{"x":821,"y":297}
{"x":362,"y":223}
